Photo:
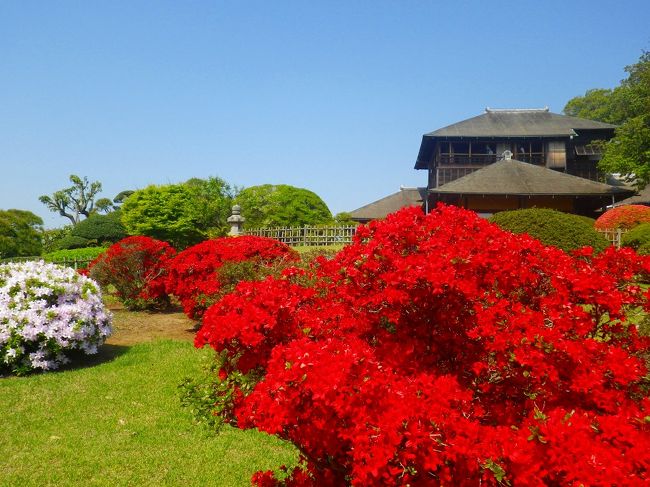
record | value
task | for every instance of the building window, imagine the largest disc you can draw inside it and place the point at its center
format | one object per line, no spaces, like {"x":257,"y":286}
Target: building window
{"x":556,"y":155}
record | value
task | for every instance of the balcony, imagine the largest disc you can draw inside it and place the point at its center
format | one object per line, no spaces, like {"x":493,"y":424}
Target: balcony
{"x":472,"y":160}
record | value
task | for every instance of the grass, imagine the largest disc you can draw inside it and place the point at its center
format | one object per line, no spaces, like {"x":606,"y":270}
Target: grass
{"x":117,"y":421}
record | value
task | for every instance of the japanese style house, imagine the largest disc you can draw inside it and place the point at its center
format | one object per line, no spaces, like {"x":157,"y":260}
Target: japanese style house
{"x":516,"y":158}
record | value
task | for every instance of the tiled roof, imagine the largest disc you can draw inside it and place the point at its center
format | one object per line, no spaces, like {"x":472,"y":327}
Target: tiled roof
{"x":520,"y":178}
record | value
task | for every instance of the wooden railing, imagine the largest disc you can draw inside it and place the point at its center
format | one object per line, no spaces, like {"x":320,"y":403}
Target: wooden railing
{"x":537,"y":158}
{"x":613,"y":235}
{"x":306,"y":235}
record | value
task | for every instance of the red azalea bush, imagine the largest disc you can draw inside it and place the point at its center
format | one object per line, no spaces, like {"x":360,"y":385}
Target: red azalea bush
{"x":194,"y":273}
{"x":136,"y":267}
{"x":441,"y":350}
{"x":625,"y":217}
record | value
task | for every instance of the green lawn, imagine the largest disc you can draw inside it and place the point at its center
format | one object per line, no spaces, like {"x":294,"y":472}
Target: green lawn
{"x":118,"y":421}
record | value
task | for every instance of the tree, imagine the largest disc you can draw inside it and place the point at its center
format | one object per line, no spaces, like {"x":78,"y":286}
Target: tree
{"x":77,"y":200}
{"x":280,"y":205}
{"x":628,"y":105}
{"x":213,"y":200}
{"x":120,"y":197}
{"x":20,"y":233}
{"x":182,"y":214}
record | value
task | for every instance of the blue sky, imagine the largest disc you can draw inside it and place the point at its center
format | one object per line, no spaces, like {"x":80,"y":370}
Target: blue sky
{"x":331,"y":96}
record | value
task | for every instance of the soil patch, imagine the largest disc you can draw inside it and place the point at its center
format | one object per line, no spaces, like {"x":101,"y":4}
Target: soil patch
{"x":131,"y":327}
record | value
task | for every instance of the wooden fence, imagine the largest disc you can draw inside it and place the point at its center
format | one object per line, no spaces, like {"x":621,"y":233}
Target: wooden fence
{"x":613,"y":235}
{"x":308,"y":236}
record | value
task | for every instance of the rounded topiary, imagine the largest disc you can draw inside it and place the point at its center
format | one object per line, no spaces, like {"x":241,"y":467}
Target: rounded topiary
{"x":638,"y":238}
{"x":281,"y":205}
{"x":101,"y":228}
{"x":71,"y":242}
{"x":625,"y":217}
{"x":47,"y":311}
{"x":565,"y":231}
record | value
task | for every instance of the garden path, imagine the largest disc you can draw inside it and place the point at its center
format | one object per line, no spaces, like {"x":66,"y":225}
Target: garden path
{"x":131,"y":327}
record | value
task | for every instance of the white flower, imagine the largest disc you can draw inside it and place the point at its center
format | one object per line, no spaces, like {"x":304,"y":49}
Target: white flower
{"x":42,"y":309}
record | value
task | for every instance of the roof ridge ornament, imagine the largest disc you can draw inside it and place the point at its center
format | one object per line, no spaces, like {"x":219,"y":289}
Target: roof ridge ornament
{"x":500,"y":110}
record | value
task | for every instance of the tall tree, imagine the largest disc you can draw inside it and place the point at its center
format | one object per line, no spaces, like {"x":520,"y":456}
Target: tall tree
{"x":20,"y":233}
{"x":77,"y":200}
{"x":272,"y":205}
{"x":627,"y":105}
{"x":181,"y":214}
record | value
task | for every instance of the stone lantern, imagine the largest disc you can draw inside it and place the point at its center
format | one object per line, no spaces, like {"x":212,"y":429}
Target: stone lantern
{"x":236,"y":221}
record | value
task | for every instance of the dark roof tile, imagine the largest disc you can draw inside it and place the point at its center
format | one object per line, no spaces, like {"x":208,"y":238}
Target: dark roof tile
{"x":391,"y":203}
{"x":520,"y":178}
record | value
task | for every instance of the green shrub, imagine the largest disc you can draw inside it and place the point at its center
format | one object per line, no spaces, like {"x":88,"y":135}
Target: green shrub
{"x":101,"y":229}
{"x":644,"y":249}
{"x":565,"y":231}
{"x":52,"y":237}
{"x":309,"y":253}
{"x":71,"y":242}
{"x":638,"y":238}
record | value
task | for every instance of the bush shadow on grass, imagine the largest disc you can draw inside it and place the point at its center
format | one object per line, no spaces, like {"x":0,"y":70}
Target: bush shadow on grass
{"x":78,"y":360}
{"x":106,"y":353}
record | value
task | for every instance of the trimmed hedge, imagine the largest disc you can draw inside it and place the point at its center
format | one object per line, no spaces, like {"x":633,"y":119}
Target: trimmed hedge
{"x":565,"y":231}
{"x":68,"y":242}
{"x":87,"y":253}
{"x":101,"y":228}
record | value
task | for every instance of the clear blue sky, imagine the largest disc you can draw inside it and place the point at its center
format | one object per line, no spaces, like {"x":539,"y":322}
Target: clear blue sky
{"x":331,"y":96}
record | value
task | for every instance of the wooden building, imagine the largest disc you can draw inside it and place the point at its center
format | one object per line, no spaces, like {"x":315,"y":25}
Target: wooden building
{"x":390,"y":204}
{"x":553,"y":164}
{"x":536,"y":136}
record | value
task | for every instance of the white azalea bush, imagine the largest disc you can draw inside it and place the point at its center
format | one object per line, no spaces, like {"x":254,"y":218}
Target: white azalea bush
{"x":47,"y":311}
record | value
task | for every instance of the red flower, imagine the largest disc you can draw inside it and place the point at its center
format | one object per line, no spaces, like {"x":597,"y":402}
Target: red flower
{"x":626,"y":217}
{"x":137,"y":267}
{"x":440,"y":349}
{"x":193,"y":274}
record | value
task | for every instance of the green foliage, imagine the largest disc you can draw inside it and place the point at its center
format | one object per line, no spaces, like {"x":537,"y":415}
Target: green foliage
{"x":72,"y":242}
{"x":629,"y":151}
{"x":551,"y":227}
{"x":52,"y":237}
{"x":82,"y":254}
{"x":101,"y":229}
{"x":628,"y":105}
{"x":638,"y":238}
{"x":77,"y":200}
{"x":212,"y":198}
{"x":121,"y":196}
{"x":604,"y":105}
{"x":309,"y":254}
{"x":181,"y":214}
{"x":20,"y":233}
{"x":281,"y":206}
{"x":198,"y":392}
{"x":344,"y":219}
